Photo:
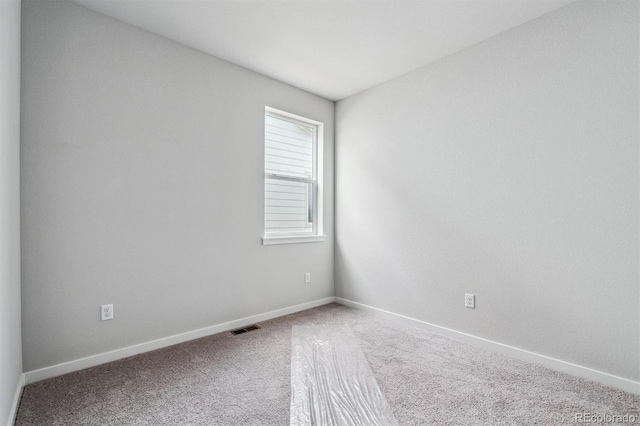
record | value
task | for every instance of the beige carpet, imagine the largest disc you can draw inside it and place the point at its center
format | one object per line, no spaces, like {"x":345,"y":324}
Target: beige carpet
{"x":245,"y":380}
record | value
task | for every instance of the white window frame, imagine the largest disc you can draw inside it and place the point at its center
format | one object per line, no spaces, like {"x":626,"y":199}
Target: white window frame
{"x":316,"y":235}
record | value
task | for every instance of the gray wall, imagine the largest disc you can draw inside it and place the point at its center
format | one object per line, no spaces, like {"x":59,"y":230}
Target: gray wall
{"x":142,"y":174}
{"x":508,"y":170}
{"x":10,"y":334}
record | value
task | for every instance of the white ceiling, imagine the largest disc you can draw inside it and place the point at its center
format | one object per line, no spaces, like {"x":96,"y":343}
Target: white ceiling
{"x":333,"y":48}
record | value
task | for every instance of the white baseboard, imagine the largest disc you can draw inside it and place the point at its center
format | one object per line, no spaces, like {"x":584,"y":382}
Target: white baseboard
{"x":16,"y":402}
{"x":553,"y":363}
{"x":92,"y":361}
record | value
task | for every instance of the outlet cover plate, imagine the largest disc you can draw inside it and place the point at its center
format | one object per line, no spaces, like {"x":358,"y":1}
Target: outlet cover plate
{"x":106,"y":312}
{"x":470,"y":300}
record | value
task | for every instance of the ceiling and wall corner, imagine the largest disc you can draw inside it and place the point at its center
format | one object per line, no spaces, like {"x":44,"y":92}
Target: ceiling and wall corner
{"x":330,"y":48}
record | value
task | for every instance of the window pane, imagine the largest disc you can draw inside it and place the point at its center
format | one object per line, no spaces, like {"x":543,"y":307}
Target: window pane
{"x":287,"y":206}
{"x":288,"y":148}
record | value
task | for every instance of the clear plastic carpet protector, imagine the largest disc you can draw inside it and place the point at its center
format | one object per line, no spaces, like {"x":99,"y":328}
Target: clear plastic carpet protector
{"x":331,"y":381}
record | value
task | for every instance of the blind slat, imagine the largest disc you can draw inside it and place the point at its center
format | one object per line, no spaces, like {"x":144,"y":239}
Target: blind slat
{"x":284,"y":210}
{"x":287,"y":224}
{"x":277,"y":196}
{"x":284,"y":144}
{"x":285,"y":203}
{"x":288,"y":161}
{"x":288,"y":154}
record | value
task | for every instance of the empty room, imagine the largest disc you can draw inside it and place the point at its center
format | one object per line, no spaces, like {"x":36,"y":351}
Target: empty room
{"x":319,"y":212}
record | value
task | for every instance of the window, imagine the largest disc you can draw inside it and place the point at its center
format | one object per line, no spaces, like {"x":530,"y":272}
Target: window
{"x":292,"y":178}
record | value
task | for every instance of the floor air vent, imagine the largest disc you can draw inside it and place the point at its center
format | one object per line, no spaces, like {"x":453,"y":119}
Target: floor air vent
{"x":246,"y":329}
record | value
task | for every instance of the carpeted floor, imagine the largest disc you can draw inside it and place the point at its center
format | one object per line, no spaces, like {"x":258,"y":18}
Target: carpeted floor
{"x":245,"y":380}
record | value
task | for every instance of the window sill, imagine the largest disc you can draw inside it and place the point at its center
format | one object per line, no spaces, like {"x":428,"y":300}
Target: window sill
{"x":267,"y":241}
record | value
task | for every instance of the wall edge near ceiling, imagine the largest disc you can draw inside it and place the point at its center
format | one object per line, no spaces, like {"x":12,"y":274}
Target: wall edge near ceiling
{"x":16,"y":401}
{"x":103,"y":358}
{"x":522,"y":354}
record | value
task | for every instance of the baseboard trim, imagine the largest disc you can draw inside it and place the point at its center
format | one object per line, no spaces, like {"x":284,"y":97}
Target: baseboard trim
{"x":103,"y":358}
{"x":546,"y":361}
{"x":16,"y":401}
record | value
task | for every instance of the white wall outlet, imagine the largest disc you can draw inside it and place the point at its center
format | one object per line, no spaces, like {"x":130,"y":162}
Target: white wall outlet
{"x":307,"y":277}
{"x":470,"y":300}
{"x":106,"y":312}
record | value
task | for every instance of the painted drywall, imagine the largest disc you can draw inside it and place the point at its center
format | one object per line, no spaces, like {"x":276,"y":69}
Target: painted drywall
{"x":142,"y":180}
{"x":10,"y":330}
{"x":508,"y":170}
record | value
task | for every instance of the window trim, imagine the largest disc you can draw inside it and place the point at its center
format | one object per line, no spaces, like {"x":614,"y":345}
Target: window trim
{"x":316,"y":234}
{"x":268,"y":241}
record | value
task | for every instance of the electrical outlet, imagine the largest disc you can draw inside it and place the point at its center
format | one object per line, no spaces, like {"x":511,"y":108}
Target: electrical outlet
{"x":106,"y":312}
{"x":307,"y":277}
{"x":470,"y":300}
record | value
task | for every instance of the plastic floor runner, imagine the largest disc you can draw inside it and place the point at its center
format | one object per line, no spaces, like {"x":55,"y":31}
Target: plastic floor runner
{"x":331,"y":381}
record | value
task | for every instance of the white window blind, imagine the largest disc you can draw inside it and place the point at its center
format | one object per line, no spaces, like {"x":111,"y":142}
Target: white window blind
{"x":291,"y":184}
